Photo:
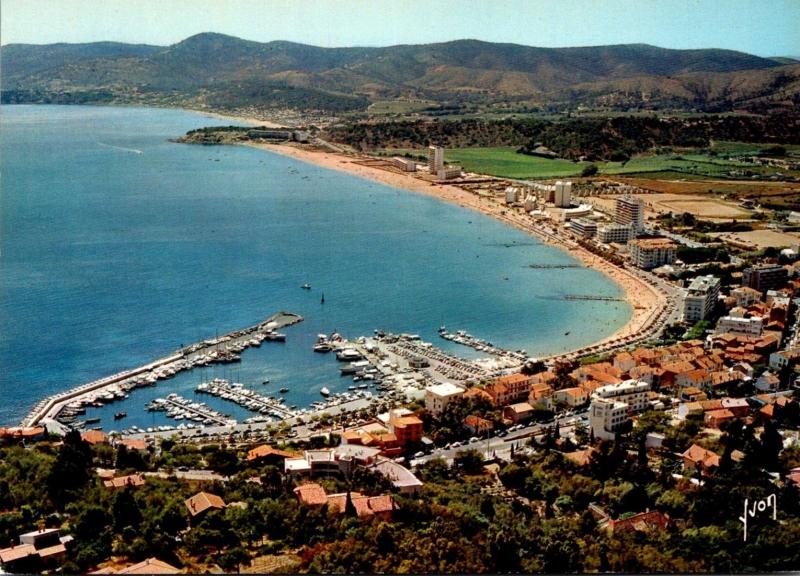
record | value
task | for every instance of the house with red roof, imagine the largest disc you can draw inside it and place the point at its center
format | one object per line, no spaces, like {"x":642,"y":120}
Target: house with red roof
{"x":202,"y":502}
{"x":696,"y":457}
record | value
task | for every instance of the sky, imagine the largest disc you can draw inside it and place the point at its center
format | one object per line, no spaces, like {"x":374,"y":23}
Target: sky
{"x":762,"y":27}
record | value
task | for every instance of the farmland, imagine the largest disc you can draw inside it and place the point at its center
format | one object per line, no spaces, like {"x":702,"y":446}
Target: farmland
{"x":507,"y":162}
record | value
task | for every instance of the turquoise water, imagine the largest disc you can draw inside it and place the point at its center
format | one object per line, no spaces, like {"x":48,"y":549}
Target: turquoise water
{"x":118,"y":246}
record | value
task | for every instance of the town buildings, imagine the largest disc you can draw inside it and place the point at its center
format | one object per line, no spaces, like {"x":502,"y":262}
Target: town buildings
{"x":630,"y":211}
{"x":563,"y":194}
{"x":435,"y":159}
{"x":615,"y":234}
{"x":701,"y":298}
{"x":439,"y":396}
{"x":648,"y":253}
{"x":763,"y":278}
{"x":584,"y":227}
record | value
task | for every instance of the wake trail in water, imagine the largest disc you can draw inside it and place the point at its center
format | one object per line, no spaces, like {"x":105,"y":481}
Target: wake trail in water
{"x":134,"y":150}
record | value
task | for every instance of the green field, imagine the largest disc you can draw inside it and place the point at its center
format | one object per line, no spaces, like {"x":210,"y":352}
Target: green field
{"x":506,"y":162}
{"x":723,"y":147}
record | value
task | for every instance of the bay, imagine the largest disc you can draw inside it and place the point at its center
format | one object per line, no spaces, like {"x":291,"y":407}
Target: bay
{"x":118,"y":246}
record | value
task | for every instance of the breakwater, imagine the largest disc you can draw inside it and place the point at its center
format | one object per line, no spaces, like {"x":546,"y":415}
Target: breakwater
{"x":221,"y":349}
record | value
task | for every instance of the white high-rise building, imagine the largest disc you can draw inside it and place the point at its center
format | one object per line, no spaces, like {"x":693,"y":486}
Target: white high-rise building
{"x":606,"y":417}
{"x":563,"y":194}
{"x":435,"y":159}
{"x":612,"y":404}
{"x":630,"y":210}
{"x":633,"y":393}
{"x":701,"y":298}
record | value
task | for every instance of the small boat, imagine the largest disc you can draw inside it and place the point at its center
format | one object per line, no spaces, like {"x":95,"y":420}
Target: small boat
{"x":265,"y":381}
{"x":120,"y":415}
{"x":322,"y":347}
{"x":92,"y":420}
{"x":306,"y":286}
{"x":566,"y":333}
{"x":325,"y":391}
{"x":322,"y":300}
{"x":283,"y":390}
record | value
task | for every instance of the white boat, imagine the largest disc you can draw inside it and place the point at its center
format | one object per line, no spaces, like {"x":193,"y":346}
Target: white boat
{"x":325,"y":391}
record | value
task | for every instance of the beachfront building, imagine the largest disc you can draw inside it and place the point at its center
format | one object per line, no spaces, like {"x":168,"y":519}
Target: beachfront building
{"x":563,"y":194}
{"x":435,"y":159}
{"x":615,"y":233}
{"x":648,"y":253}
{"x":630,"y":211}
{"x":740,"y":326}
{"x":448,"y":172}
{"x":439,"y":396}
{"x":584,"y":227}
{"x":405,"y":164}
{"x":701,"y":298}
{"x":765,"y":277}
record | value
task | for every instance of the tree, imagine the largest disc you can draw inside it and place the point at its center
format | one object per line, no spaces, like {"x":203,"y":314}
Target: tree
{"x":233,"y":559}
{"x":468,"y":461}
{"x":71,"y":470}
{"x":125,"y":510}
{"x":589,"y":170}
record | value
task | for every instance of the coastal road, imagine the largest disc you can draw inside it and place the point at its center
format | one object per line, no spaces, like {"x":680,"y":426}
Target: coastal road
{"x":500,"y":446}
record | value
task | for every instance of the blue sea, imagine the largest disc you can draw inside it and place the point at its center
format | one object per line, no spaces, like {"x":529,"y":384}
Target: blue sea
{"x":119,"y":246}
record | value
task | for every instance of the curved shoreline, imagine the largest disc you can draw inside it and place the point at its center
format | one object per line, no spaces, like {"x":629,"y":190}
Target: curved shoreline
{"x":647,"y":303}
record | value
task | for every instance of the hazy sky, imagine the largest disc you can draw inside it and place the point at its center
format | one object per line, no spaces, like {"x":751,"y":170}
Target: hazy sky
{"x":764,"y":27}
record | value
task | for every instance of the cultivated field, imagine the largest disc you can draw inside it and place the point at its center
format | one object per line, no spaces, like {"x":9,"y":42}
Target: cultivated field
{"x":757,"y":239}
{"x":705,"y":207}
{"x":505,"y":162}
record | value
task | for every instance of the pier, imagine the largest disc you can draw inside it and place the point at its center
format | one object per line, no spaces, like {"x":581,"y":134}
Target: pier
{"x":178,"y":407}
{"x":465,"y":339}
{"x":246,"y":398}
{"x":225,"y":348}
{"x":594,"y":298}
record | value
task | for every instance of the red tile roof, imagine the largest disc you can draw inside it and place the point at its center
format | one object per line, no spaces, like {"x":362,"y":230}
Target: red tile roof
{"x":265,"y":451}
{"x":94,"y":437}
{"x":149,"y":566}
{"x":122,"y":481}
{"x":700,"y":455}
{"x":311,"y":494}
{"x":202,"y":501}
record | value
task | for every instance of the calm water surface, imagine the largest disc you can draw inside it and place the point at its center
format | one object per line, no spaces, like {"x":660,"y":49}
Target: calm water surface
{"x":119,"y":246}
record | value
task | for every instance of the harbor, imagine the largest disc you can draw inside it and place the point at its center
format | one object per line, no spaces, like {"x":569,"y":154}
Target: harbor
{"x":65,"y":407}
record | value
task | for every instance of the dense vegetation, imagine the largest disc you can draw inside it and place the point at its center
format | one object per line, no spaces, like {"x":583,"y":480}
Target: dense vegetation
{"x":532,"y":515}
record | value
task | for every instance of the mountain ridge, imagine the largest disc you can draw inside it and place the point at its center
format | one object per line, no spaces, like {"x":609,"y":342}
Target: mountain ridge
{"x":209,"y":66}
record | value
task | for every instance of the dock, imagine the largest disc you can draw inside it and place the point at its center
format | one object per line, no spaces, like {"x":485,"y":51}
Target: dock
{"x":221,"y":349}
{"x":246,"y":398}
{"x":466,"y":339}
{"x":178,"y":407}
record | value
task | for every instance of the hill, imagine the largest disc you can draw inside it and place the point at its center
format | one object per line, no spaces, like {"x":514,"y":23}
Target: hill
{"x":216,"y":70}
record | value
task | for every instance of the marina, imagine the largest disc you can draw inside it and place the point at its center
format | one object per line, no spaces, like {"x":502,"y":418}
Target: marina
{"x":464,"y":338}
{"x":66,"y":406}
{"x":180,"y":408}
{"x":237,"y":393}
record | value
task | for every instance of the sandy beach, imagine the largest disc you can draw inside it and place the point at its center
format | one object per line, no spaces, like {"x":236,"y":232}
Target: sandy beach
{"x":252,"y":121}
{"x":646,"y":301}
